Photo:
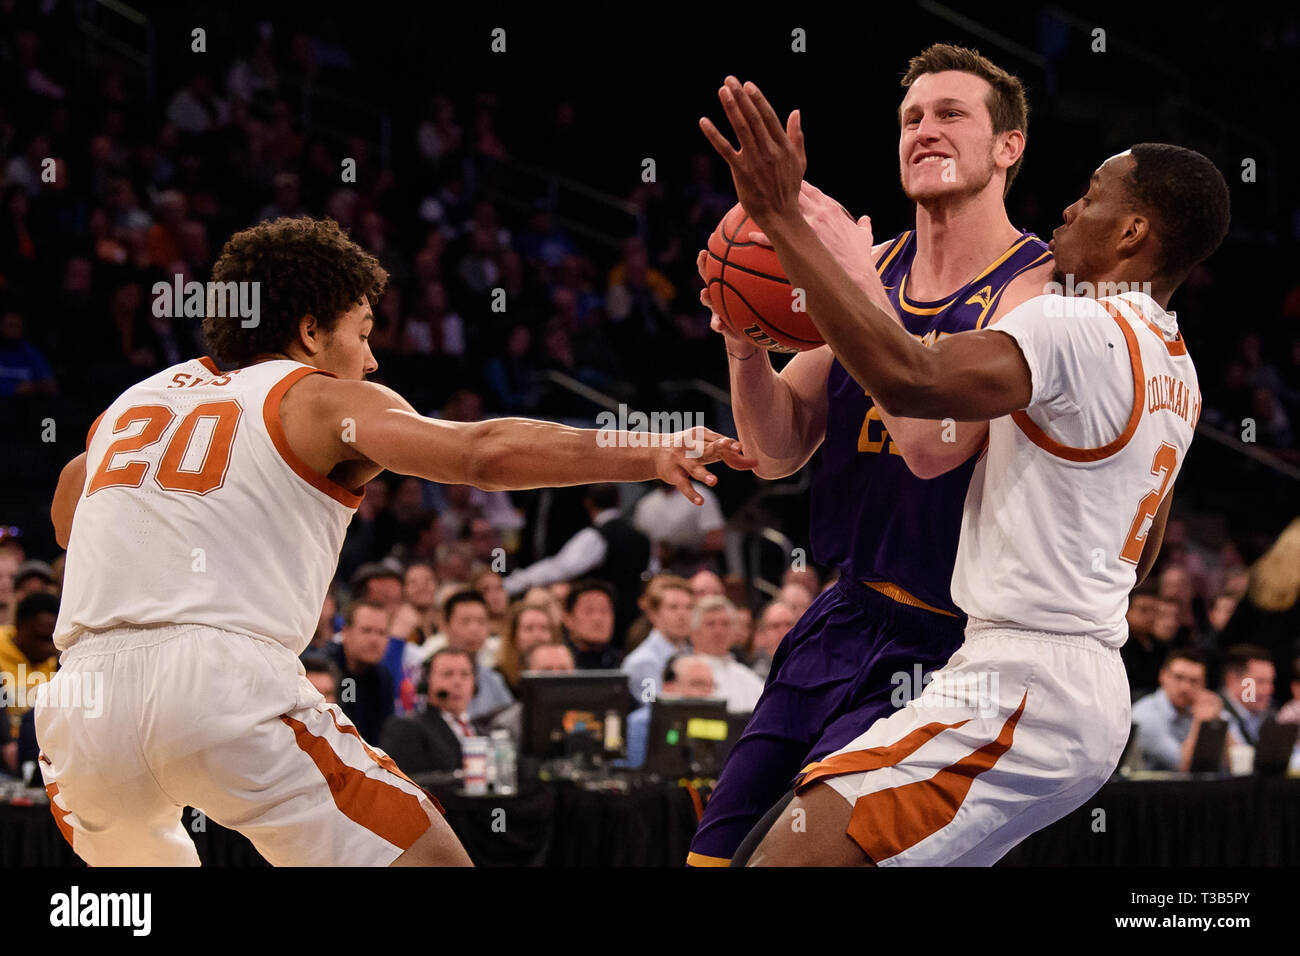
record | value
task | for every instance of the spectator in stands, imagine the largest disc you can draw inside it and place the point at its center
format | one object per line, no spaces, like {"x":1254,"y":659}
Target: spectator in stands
{"x":28,"y":658}
{"x":807,"y":576}
{"x":711,"y":631}
{"x":610,"y":549}
{"x":324,"y":675}
{"x":378,"y":583}
{"x":23,"y":369}
{"x":707,"y":584}
{"x":1222,"y":608}
{"x":1290,"y":712}
{"x":1166,"y":720}
{"x":11,"y":558}
{"x":418,"y":613}
{"x":488,"y":583}
{"x":1142,"y":653}
{"x":589,"y":621}
{"x":431,"y":740}
{"x":528,"y":625}
{"x":325,"y":631}
{"x":465,"y":617}
{"x":33,"y":576}
{"x":776,"y":619}
{"x":1247,"y":692}
{"x":668,"y":607}
{"x":367,"y":690}
{"x":683,"y":675}
{"x":797,"y":596}
{"x":683,"y":536}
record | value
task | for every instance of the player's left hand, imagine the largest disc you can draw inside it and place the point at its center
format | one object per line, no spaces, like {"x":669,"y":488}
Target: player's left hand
{"x":681,"y":458}
{"x":769,"y":166}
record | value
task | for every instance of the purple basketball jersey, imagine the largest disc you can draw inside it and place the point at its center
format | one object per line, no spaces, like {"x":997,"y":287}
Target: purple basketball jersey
{"x":871,"y":517}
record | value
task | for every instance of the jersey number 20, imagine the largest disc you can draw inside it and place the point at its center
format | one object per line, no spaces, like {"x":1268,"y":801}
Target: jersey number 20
{"x":186,"y":465}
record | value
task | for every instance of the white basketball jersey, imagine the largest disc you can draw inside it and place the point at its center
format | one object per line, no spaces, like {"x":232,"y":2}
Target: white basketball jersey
{"x":1058,"y":509}
{"x":197,"y":511}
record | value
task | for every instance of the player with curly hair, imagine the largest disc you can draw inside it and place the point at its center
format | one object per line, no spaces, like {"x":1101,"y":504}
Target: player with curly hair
{"x":209,"y":511}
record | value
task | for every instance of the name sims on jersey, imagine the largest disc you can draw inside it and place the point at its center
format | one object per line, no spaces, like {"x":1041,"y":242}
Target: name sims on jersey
{"x":1172,"y":393}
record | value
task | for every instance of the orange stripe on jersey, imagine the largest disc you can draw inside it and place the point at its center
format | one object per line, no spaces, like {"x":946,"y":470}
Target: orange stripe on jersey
{"x":271,"y":415}
{"x":60,"y":815}
{"x":887,"y":822}
{"x":385,"y":761}
{"x":94,"y":426}
{"x":860,"y":761}
{"x":1176,"y":347}
{"x":1069,"y":453}
{"x":385,"y":810}
{"x":210,"y":365}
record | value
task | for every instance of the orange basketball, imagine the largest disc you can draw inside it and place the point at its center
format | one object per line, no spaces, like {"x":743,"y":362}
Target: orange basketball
{"x":750,"y":291}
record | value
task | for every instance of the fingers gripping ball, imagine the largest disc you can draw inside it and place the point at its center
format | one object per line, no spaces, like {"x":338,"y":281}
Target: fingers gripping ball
{"x":750,"y":290}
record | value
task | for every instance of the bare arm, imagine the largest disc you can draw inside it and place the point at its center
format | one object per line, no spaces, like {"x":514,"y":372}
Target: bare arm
{"x":502,"y":454}
{"x":932,"y":448}
{"x":72,"y":481}
{"x":973,"y":376}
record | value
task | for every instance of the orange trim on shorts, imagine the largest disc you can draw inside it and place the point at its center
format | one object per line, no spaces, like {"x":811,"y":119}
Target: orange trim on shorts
{"x":888,"y":822}
{"x":381,"y":758}
{"x":1040,"y":438}
{"x":860,"y":761}
{"x":895,"y":593}
{"x":274,"y":427}
{"x":385,"y":810}
{"x":699,"y":859}
{"x":60,"y":815}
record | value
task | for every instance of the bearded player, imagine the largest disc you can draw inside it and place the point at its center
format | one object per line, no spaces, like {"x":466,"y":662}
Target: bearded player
{"x":887,"y":491}
{"x":209,"y":511}
{"x":1092,"y":405}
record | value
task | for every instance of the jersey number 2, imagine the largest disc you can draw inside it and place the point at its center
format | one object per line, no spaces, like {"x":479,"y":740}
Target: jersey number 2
{"x":1162,"y":466}
{"x":186,"y":465}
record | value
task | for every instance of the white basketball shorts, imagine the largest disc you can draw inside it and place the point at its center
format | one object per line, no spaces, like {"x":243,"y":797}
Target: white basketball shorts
{"x":1018,"y":728}
{"x":197,"y":716}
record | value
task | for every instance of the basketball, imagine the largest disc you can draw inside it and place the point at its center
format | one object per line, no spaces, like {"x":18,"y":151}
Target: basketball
{"x":750,"y":291}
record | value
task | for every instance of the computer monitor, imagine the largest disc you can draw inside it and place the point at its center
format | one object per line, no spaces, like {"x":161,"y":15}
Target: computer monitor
{"x":583,"y":713}
{"x":1273,"y":750}
{"x":688,"y":736}
{"x":1207,"y":752}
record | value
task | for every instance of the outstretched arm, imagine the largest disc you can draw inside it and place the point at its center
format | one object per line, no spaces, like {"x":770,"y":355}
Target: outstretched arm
{"x":509,"y":453}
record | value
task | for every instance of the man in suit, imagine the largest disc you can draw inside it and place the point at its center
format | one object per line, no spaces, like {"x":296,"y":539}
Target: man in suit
{"x":1248,"y":676}
{"x":431,"y":740}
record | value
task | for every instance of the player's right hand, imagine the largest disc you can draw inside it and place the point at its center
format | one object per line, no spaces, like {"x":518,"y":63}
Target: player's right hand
{"x":737,"y":346}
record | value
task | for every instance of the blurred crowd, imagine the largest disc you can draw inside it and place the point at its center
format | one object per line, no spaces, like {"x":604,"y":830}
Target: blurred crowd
{"x":446,"y":594}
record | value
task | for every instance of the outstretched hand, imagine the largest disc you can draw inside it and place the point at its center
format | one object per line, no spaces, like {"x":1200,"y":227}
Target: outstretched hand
{"x":681,"y":459}
{"x":769,"y":166}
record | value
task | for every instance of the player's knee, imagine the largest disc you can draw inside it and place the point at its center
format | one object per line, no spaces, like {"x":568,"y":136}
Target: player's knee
{"x":812,"y":831}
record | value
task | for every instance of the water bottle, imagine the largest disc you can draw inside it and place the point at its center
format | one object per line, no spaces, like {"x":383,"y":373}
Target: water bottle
{"x":505,"y":777}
